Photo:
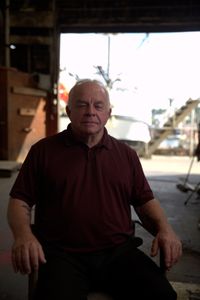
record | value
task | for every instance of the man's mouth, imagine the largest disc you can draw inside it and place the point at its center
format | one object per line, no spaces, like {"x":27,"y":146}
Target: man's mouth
{"x":89,"y":123}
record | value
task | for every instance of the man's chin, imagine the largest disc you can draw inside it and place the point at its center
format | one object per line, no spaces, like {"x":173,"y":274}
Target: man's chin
{"x":89,"y":131}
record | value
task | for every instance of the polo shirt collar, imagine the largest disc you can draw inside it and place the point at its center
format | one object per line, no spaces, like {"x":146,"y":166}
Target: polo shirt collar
{"x":70,"y":139}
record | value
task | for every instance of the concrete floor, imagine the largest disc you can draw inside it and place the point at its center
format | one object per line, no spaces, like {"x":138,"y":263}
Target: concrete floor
{"x":163,"y":174}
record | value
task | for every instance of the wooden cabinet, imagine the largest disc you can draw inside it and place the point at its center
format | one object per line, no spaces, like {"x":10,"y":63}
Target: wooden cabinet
{"x":22,"y":114}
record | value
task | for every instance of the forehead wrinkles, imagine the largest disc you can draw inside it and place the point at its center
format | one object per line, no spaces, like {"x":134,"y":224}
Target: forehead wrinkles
{"x":92,"y":92}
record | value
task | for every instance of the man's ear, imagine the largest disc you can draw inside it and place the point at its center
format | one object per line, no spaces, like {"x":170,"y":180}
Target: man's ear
{"x":68,"y":111}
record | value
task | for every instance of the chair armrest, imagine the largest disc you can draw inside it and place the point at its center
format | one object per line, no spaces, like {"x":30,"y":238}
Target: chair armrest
{"x":161,"y":259}
{"x":32,"y":282}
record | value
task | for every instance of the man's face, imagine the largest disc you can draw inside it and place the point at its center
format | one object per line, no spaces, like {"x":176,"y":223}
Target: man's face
{"x":89,"y":109}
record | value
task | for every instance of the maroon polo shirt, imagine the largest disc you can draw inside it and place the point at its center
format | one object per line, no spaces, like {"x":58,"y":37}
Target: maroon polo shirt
{"x":82,"y":195}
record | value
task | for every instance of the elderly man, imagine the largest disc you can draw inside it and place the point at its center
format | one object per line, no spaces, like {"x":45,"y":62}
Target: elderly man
{"x":82,"y":182}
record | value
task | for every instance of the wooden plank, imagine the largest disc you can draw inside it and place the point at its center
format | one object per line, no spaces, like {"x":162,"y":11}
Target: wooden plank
{"x":28,"y":91}
{"x":23,"y":111}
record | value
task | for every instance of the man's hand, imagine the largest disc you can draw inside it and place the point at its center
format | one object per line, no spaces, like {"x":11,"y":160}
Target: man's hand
{"x":27,"y":254}
{"x":170,"y":244}
{"x":155,"y":221}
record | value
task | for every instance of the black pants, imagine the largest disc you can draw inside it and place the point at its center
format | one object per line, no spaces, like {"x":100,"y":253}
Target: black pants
{"x":124,"y":273}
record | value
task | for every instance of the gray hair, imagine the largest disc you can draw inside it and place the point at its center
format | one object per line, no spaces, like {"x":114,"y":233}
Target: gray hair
{"x":83,"y":81}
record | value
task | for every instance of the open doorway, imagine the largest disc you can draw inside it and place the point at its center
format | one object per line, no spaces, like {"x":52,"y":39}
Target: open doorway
{"x":150,"y":77}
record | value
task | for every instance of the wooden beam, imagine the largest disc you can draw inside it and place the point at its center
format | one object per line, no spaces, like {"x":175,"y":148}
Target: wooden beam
{"x":44,"y":19}
{"x":30,"y":40}
{"x":28,"y":91}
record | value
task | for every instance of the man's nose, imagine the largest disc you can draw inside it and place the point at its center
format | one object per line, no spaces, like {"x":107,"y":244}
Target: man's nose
{"x":90,"y":110}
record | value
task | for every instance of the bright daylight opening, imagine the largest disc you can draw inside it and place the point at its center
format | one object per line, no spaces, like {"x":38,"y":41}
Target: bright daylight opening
{"x":153,"y":81}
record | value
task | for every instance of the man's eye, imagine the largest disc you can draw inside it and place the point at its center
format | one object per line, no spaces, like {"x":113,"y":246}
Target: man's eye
{"x":99,"y":106}
{"x":81,"y":104}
